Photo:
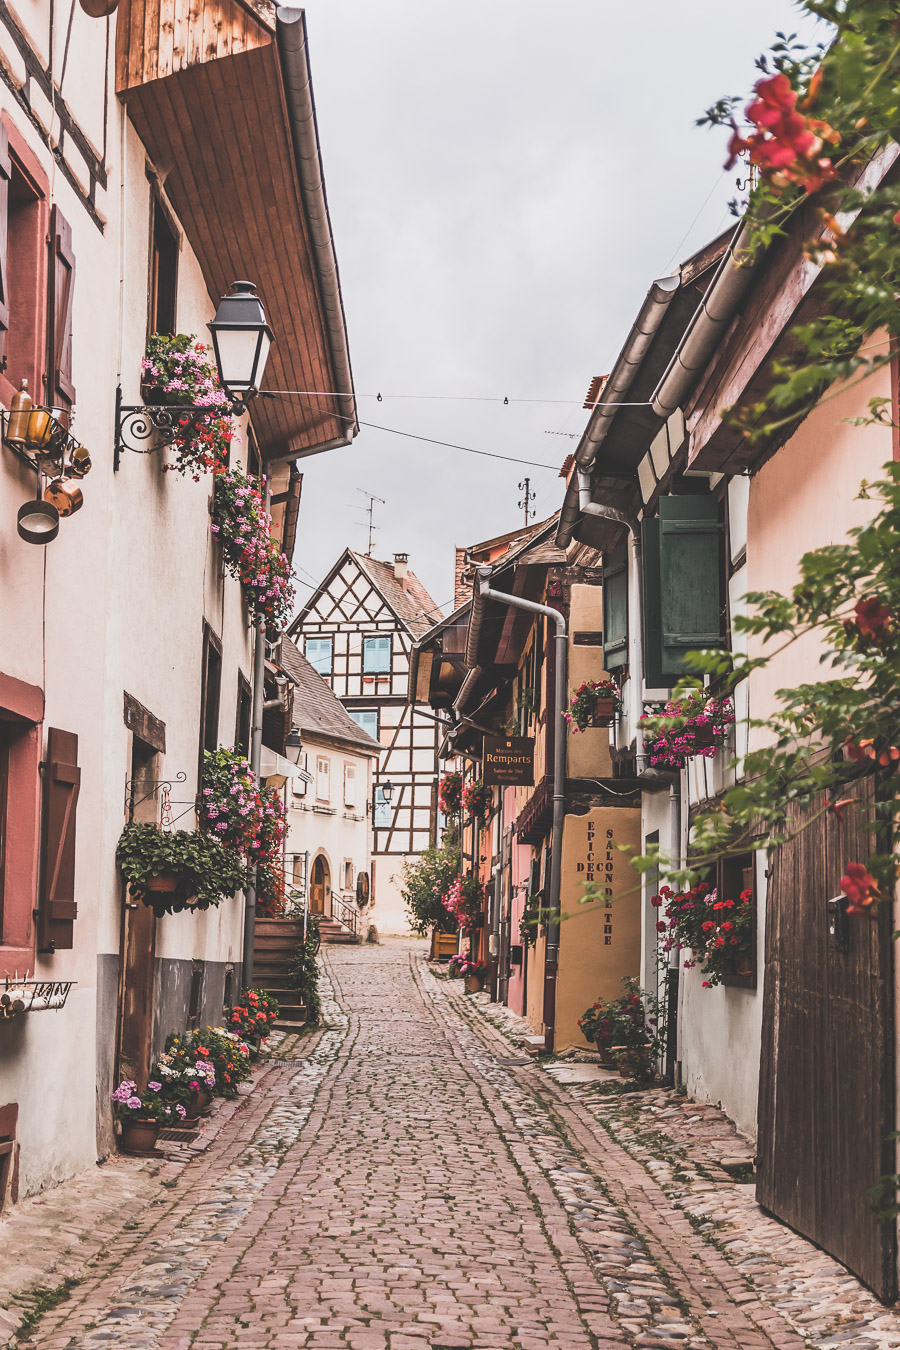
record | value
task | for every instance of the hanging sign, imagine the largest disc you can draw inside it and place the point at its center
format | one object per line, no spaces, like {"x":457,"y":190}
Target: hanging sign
{"x":508,"y":761}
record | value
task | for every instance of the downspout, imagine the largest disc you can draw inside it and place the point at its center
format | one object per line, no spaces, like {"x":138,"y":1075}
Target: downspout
{"x":256,"y":730}
{"x":559,"y":784}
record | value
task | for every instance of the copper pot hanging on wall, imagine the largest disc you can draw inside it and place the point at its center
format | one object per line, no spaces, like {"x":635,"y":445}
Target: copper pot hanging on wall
{"x":99,"y":9}
{"x":66,"y":497}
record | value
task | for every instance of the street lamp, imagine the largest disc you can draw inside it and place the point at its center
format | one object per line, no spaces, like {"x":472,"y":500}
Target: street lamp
{"x":293,"y":745}
{"x":387,"y":791}
{"x":241,"y":339}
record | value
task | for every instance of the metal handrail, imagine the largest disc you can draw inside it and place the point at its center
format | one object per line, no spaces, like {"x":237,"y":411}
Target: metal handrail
{"x":346,"y":914}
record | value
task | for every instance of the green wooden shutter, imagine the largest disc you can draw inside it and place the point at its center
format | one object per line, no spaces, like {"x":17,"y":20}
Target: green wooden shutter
{"x":615,"y":609}
{"x":684,"y":585}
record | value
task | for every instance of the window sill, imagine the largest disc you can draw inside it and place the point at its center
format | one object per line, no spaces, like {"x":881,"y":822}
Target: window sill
{"x":17,"y":961}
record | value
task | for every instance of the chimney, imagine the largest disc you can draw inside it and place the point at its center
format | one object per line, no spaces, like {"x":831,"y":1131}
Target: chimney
{"x":401,"y":567}
{"x":461,"y":583}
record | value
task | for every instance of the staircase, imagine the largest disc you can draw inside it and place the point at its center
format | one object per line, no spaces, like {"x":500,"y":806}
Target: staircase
{"x":332,"y":930}
{"x":274,"y":943}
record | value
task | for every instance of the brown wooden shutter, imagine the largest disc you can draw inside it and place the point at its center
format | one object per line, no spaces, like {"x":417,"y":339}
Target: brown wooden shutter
{"x":62,"y":778}
{"x":61,"y":390}
{"x":5,"y":171}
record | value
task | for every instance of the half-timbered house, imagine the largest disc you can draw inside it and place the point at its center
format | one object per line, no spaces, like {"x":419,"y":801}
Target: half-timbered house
{"x":357,"y":630}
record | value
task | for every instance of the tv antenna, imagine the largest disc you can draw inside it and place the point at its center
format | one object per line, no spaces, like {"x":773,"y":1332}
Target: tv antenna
{"x":370,"y":512}
{"x":525,"y":503}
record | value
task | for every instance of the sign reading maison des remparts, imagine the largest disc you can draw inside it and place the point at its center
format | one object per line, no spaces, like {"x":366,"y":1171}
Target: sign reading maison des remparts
{"x":508,"y":761}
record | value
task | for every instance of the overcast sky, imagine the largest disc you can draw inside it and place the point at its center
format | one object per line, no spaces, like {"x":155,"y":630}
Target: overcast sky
{"x":505,"y":180}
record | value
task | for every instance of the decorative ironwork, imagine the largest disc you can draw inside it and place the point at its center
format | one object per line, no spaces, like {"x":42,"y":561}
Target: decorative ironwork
{"x":49,"y":445}
{"x":163,"y":424}
{"x":18,"y":997}
{"x":154,"y":784}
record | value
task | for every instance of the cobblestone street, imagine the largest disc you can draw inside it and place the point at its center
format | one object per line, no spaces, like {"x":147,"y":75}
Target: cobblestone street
{"x":412,"y":1183}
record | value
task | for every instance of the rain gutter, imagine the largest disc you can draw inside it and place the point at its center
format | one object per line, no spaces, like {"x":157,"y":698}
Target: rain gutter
{"x":290,"y":35}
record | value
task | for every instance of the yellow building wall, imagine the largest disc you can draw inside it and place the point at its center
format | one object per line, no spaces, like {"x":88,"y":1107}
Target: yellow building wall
{"x":534,"y":995}
{"x":600,"y":942}
{"x":589,"y":755}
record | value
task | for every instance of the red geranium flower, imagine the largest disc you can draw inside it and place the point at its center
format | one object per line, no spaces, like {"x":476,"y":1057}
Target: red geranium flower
{"x":860,"y":888}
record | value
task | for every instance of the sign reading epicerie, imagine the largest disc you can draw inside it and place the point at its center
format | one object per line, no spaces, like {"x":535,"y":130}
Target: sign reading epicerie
{"x":508,"y":761}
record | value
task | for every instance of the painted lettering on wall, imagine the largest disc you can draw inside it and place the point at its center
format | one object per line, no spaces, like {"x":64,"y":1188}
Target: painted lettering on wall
{"x":597,"y":870}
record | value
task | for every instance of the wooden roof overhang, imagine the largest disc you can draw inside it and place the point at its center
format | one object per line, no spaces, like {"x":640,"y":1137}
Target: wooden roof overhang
{"x":221,"y":97}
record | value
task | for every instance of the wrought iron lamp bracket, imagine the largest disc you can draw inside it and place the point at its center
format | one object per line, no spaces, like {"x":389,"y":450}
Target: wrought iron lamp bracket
{"x":160,"y":425}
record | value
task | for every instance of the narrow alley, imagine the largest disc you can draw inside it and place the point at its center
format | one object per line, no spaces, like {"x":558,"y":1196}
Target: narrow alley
{"x":410,"y":1183}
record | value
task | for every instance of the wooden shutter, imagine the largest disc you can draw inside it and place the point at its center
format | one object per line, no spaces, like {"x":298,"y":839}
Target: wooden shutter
{"x":61,"y":390}
{"x":615,"y":609}
{"x":5,"y":172}
{"x":684,"y":585}
{"x":349,"y":784}
{"x":62,"y":779}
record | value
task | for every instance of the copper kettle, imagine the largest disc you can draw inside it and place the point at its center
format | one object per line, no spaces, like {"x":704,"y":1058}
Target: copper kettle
{"x":67,"y":497}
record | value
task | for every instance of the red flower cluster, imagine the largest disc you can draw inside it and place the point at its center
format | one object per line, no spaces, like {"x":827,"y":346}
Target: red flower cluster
{"x":871,"y":624}
{"x":450,"y":793}
{"x":243,"y":527}
{"x":863,"y":750}
{"x":714,"y":931}
{"x":786,"y":145}
{"x":860,"y":888}
{"x":477,"y":800}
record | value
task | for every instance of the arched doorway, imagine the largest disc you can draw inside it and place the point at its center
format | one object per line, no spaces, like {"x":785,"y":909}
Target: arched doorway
{"x":320,"y":887}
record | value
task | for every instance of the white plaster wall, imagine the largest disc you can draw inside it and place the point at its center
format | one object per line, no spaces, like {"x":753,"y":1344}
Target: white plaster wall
{"x":720,"y":1032}
{"x":345,"y":835}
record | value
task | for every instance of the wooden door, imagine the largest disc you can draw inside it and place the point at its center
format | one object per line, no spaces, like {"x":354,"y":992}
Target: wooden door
{"x":319,"y":888}
{"x":826,"y":1080}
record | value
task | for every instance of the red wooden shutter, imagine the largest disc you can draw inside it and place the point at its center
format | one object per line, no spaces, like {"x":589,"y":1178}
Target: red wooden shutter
{"x":61,"y":390}
{"x":5,"y":171}
{"x":62,"y":778}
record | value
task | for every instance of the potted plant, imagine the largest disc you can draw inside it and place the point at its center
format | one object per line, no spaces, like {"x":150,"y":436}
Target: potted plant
{"x":228,"y":1054}
{"x":627,"y":1030}
{"x":178,"y":370}
{"x":477,"y":800}
{"x":450,"y":793}
{"x":243,"y":527}
{"x":464,"y":899}
{"x":455,"y":966}
{"x":594,"y":704}
{"x":473,"y":973}
{"x":203,"y":870}
{"x":142,"y":1115}
{"x":686,"y":727}
{"x":718,"y":933}
{"x":252,"y":1016}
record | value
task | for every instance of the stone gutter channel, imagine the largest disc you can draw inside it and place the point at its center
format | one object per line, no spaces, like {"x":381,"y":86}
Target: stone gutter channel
{"x":681,"y":1246}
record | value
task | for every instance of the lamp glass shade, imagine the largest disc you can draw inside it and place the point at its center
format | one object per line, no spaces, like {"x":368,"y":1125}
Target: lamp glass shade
{"x":293,"y":746}
{"x":387,"y":790}
{"x":37,"y":522}
{"x":241,"y":339}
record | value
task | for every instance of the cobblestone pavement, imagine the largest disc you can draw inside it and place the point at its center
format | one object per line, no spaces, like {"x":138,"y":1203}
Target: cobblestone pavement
{"x":405,"y":1186}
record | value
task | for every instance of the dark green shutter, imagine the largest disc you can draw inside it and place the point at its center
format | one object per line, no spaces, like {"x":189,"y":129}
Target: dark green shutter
{"x":684,"y":585}
{"x":615,"y":609}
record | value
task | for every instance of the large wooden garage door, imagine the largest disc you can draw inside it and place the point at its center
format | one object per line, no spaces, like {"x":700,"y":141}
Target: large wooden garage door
{"x":826,"y":1081}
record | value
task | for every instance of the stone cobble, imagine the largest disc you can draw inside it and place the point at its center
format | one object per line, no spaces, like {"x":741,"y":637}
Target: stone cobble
{"x":405,"y":1187}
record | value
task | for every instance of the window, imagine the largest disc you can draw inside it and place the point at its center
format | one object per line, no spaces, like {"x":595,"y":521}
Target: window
{"x":381,"y":812}
{"x":376,"y":655}
{"x":348,"y":875}
{"x":210,"y":692}
{"x":319,"y":653}
{"x":349,"y":784}
{"x":299,"y":785}
{"x":367,"y":718}
{"x":23,"y":267}
{"x":163,"y":271}
{"x":242,"y":718}
{"x":323,"y":780}
{"x":684,"y":585}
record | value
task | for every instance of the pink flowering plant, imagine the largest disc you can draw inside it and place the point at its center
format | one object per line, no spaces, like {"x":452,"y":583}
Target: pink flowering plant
{"x":464,"y":899}
{"x":147,"y":1105}
{"x":243,"y":527}
{"x":178,"y":371}
{"x":461,"y":966}
{"x":686,"y":727}
{"x":583,"y":707}
{"x":238,"y":811}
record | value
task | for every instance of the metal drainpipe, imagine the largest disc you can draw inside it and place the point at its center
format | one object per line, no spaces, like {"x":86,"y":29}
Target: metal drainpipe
{"x":256,"y":724}
{"x":559,"y":785}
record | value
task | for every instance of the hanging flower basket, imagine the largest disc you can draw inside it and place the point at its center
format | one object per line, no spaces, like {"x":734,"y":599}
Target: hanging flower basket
{"x":450,"y":793}
{"x":685,"y":728}
{"x":465,"y":900}
{"x":477,"y":800}
{"x":715,"y":934}
{"x":594,"y":704}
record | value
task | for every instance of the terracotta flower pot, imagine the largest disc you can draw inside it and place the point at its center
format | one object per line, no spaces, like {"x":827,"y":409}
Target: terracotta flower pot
{"x":204,"y":1097}
{"x":166,"y":883}
{"x":192,"y":1107}
{"x":604,"y":712}
{"x":139,"y":1136}
{"x":474,"y":984}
